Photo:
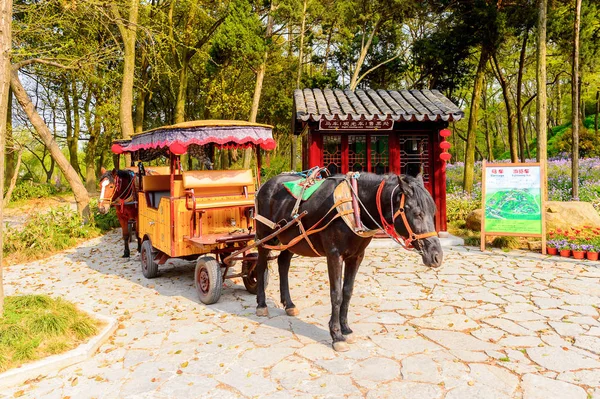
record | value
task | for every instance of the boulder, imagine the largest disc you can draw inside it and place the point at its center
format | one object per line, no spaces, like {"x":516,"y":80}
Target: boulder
{"x":563,"y":215}
{"x":559,"y":215}
{"x":473,"y":221}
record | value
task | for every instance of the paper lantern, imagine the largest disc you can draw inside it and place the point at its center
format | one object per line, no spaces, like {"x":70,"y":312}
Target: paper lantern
{"x":445,"y":133}
{"x":177,"y":148}
{"x":445,"y":156}
{"x":445,"y":145}
{"x":116,"y":149}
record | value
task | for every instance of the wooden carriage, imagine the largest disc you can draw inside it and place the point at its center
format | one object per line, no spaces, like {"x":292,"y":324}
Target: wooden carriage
{"x":198,"y":214}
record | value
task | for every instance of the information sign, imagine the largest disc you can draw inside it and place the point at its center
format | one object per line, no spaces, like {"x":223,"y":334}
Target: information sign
{"x":512,"y":201}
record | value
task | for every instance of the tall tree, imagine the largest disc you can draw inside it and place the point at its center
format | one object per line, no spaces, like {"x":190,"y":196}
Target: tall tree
{"x":575,"y":102}
{"x":541,"y":102}
{"x":128,"y":30}
{"x":5,"y":73}
{"x":472,"y":127}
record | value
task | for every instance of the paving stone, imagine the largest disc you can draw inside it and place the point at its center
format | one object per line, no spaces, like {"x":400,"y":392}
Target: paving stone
{"x":420,"y":368}
{"x":582,"y":377}
{"x":509,"y":326}
{"x":547,"y":303}
{"x":375,"y":370}
{"x":457,"y":340}
{"x":567,"y":329}
{"x":475,"y":392}
{"x":494,"y":377}
{"x":454,"y":322}
{"x":558,"y":359}
{"x":329,"y":385}
{"x":405,"y":390}
{"x":591,"y":344}
{"x":519,"y":342}
{"x":403,"y":347}
{"x":538,"y":387}
{"x":469,"y":356}
{"x":585,"y":310}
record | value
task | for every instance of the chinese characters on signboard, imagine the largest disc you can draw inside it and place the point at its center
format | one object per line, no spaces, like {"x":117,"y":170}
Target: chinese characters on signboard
{"x":362,"y":124}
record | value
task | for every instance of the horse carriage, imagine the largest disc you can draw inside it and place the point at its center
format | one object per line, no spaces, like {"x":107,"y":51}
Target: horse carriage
{"x":218,"y":217}
{"x":202,"y":215}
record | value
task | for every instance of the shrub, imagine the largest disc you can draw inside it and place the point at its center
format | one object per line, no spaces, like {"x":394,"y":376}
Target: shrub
{"x":46,"y":232}
{"x":505,"y":242}
{"x":106,"y":221}
{"x":28,"y":189}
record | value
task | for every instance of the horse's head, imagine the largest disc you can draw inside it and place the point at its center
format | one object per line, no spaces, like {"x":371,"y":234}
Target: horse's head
{"x":107,"y":190}
{"x":419,"y":209}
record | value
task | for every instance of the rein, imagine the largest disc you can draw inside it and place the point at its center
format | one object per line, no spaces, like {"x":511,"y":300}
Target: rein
{"x":389,"y":228}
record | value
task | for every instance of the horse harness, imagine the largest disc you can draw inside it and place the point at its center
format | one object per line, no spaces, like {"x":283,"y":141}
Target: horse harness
{"x":347,"y":207}
{"x":127,"y":197}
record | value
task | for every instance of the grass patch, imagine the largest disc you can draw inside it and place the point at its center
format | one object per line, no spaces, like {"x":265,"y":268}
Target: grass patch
{"x":36,"y":326}
{"x":506,"y":242}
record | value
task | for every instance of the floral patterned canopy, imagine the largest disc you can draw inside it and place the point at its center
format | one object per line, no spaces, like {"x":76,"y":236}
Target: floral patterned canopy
{"x":191,"y":136}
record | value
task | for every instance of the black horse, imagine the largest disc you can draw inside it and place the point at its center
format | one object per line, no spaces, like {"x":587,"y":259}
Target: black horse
{"x":338,"y":242}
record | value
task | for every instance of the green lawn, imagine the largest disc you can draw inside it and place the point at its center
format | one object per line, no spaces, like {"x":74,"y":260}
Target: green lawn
{"x":36,"y":326}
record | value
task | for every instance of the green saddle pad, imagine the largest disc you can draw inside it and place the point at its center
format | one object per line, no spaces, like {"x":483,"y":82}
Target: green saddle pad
{"x":295,"y":189}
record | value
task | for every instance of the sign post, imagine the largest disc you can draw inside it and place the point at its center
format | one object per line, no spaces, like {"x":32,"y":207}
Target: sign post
{"x":512,"y":201}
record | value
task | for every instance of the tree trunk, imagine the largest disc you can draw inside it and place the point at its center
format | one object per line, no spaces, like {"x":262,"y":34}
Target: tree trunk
{"x":520,"y":96}
{"x":79,"y":191}
{"x":488,"y":137}
{"x":363,"y":54}
{"x":182,"y":91}
{"x":293,"y":137}
{"x":13,"y":179}
{"x":5,"y":73}
{"x":575,"y":102}
{"x":90,"y":153}
{"x":506,"y":94}
{"x":140,"y":105}
{"x":74,"y":143}
{"x":558,"y":103}
{"x":597,"y":111}
{"x":128,"y":30}
{"x":541,"y":102}
{"x":260,"y":76}
{"x":10,"y":155}
{"x":472,"y":127}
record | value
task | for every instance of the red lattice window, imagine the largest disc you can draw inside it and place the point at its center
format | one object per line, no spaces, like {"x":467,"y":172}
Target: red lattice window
{"x":357,"y":153}
{"x":332,"y":153}
{"x":380,"y":155}
{"x":414,"y":156}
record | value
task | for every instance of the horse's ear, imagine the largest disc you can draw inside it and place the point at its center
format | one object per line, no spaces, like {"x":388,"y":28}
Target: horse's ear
{"x":114,"y":172}
{"x":420,"y":181}
{"x":102,"y":170}
{"x":405,"y":186}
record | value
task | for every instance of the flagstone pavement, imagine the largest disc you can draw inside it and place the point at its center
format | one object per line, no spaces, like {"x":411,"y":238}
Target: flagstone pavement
{"x":493,"y":325}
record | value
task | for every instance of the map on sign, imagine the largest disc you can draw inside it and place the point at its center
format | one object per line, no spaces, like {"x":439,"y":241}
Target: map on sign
{"x":513,"y":199}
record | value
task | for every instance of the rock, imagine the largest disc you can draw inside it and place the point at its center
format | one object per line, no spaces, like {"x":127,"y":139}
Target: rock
{"x":534,"y":245}
{"x":474,"y":220}
{"x":559,"y":215}
{"x":564,"y":215}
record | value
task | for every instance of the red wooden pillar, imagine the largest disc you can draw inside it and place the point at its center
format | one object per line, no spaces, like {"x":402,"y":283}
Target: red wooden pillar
{"x":394,"y":151}
{"x":315,"y":150}
{"x":439,"y":182}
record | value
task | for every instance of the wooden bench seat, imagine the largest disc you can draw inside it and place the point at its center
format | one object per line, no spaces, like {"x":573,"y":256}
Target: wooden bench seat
{"x":201,"y":179}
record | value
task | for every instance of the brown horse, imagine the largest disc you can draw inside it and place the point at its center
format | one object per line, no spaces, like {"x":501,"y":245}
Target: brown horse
{"x":118,"y":188}
{"x":399,"y":204}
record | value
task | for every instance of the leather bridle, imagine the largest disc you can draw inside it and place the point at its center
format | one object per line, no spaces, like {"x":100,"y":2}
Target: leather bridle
{"x":389,"y":228}
{"x":124,"y":198}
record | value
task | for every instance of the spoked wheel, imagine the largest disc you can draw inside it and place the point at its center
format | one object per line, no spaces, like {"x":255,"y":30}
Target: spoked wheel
{"x":149,"y":266}
{"x":208,"y":279}
{"x":251,"y":278}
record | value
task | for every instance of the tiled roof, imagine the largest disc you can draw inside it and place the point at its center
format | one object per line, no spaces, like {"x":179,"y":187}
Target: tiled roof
{"x":402,"y":105}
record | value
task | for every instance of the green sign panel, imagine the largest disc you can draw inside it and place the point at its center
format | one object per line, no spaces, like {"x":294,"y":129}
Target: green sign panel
{"x":513,"y":199}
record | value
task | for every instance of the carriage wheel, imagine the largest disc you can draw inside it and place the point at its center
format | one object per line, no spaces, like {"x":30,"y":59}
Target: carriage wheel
{"x":208,"y":279}
{"x":251,"y":279}
{"x":149,"y":266}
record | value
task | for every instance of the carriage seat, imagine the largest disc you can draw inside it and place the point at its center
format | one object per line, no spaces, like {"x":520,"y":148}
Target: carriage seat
{"x":157,"y":187}
{"x":214,"y":186}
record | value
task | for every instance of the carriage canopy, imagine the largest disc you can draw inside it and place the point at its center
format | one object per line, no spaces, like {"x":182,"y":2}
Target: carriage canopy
{"x":190,"y":136}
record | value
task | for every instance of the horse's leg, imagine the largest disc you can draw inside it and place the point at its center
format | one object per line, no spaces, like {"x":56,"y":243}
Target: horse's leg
{"x":351,"y":266}
{"x":261,"y":266}
{"x":334,"y":267}
{"x":125,"y":230}
{"x":283,"y":261}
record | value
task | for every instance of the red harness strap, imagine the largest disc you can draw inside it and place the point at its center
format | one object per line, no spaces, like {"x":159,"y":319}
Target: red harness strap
{"x":389,"y":228}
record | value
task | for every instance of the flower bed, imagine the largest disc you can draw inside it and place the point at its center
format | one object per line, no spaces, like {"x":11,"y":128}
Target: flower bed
{"x":579,"y":243}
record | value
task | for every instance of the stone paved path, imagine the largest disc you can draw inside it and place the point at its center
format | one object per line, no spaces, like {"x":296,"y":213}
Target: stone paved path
{"x":494,"y":325}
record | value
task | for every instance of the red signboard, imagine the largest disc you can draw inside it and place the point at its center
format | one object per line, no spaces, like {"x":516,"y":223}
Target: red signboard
{"x":362,"y":124}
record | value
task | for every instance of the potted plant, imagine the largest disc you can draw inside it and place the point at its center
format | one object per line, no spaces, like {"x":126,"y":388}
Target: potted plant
{"x":578,"y":251}
{"x":551,"y":247}
{"x":564,"y":248}
{"x":592,"y":252}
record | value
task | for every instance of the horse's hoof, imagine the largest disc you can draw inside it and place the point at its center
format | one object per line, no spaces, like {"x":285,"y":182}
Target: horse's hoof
{"x":292,"y":311}
{"x":125,"y":256}
{"x":341,"y":346}
{"x":262,"y":312}
{"x":350,"y":338}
